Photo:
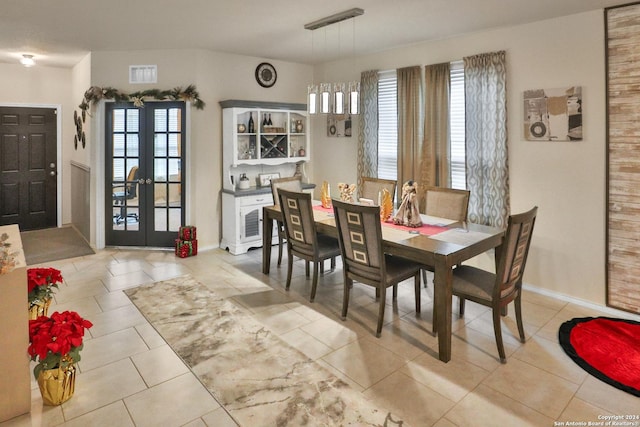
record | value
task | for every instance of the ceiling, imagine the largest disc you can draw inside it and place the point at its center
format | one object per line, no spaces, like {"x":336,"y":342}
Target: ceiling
{"x":61,"y":32}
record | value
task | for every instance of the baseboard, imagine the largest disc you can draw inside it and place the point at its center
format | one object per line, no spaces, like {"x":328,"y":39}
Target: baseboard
{"x":587,"y":304}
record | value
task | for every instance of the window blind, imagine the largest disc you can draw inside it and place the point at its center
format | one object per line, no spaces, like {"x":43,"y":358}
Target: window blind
{"x":457,"y":126}
{"x":387,"y":125}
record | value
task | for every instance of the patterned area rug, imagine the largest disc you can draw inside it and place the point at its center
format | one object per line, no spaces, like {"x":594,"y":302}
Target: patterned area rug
{"x":258,"y":378}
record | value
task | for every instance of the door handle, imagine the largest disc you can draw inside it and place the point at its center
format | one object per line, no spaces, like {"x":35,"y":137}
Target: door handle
{"x":141,"y":181}
{"x":52,"y":173}
{"x":148,"y":181}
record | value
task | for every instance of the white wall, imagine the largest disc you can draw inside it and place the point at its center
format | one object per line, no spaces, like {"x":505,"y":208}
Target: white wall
{"x":565,"y":179}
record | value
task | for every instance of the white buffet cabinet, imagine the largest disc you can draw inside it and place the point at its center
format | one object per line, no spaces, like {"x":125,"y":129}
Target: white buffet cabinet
{"x":280,"y":148}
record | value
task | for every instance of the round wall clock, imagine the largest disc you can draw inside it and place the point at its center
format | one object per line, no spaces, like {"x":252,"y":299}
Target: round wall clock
{"x":266,"y":74}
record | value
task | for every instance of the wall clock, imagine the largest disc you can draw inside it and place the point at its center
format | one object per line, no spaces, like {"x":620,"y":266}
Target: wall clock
{"x":266,"y":74}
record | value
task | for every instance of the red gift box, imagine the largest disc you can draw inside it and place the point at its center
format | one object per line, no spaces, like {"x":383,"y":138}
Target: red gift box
{"x":186,"y":248}
{"x":187,"y":232}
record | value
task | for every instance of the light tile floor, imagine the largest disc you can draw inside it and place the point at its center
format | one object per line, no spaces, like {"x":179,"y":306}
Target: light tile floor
{"x":130,"y":377}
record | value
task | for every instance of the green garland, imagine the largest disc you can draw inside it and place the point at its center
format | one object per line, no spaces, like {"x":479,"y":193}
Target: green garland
{"x":95,"y":94}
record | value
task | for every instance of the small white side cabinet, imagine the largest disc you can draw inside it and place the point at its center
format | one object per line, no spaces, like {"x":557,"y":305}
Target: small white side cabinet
{"x":242,"y":221}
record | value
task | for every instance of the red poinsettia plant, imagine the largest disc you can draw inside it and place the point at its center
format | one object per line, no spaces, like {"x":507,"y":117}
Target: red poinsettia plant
{"x":56,"y":341}
{"x":41,"y":283}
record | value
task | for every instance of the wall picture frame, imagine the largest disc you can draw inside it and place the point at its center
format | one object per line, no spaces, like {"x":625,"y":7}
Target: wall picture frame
{"x":265,"y":178}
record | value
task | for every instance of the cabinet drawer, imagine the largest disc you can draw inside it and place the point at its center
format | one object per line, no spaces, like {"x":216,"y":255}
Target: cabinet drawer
{"x":258,"y":199}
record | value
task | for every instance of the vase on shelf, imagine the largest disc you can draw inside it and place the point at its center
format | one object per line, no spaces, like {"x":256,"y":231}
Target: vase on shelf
{"x":57,"y":385}
{"x":39,"y":308}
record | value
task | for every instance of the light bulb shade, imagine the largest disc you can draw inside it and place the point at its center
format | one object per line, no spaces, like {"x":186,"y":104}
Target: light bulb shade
{"x":27,"y":61}
{"x":354,"y":97}
{"x":338,"y":98}
{"x":325,"y":98}
{"x":312,"y":99}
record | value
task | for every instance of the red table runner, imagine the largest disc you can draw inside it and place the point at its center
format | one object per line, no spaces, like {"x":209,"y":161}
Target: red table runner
{"x":426,"y":229}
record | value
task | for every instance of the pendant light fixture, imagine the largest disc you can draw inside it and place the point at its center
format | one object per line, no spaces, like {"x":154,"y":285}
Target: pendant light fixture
{"x":333,"y":97}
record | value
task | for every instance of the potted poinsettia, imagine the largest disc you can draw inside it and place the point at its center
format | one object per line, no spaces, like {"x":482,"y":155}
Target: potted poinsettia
{"x":55,"y":343}
{"x":41,"y":283}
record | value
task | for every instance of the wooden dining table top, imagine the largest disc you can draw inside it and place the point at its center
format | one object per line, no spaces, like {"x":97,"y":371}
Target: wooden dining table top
{"x":440,"y":243}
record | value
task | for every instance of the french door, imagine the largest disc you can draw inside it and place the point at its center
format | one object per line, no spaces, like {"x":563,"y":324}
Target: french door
{"x":144,"y":169}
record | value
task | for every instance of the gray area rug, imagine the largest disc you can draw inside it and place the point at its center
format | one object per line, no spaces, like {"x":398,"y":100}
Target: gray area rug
{"x":53,"y":244}
{"x":258,"y":378}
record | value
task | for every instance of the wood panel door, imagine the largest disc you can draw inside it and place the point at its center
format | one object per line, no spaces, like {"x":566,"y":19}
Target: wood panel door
{"x":623,"y":186}
{"x":28,"y":167}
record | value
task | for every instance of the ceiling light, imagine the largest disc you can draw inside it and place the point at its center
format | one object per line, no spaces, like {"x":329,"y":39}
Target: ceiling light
{"x":27,"y":60}
{"x":329,"y":93}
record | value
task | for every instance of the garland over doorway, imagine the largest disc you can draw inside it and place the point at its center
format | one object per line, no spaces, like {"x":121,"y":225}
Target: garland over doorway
{"x":95,"y":93}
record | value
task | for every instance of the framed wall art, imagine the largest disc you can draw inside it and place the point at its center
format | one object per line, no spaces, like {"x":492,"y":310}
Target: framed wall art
{"x":339,"y":125}
{"x":553,"y":114}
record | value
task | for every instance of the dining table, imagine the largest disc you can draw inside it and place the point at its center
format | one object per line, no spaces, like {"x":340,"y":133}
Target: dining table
{"x":439,"y":243}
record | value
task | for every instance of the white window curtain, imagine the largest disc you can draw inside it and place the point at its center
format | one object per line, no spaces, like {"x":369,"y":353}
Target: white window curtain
{"x":368,"y":126}
{"x":486,"y":135}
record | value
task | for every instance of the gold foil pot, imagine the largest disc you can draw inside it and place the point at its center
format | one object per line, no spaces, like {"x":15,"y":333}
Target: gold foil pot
{"x":38,"y":309}
{"x":57,"y":385}
{"x":325,"y":195}
{"x":386,"y":205}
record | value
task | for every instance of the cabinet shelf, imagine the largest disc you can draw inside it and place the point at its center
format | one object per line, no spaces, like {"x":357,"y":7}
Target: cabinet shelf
{"x":284,"y":140}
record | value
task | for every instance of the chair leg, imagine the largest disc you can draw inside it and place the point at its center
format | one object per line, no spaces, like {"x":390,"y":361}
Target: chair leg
{"x":424,"y":277}
{"x":383,"y":291}
{"x":395,"y":292}
{"x":316,"y":267}
{"x":289,"y":269}
{"x":461,"y":308}
{"x":497,"y":329}
{"x":518,"y":306}
{"x":280,"y":244}
{"x":333,"y":263}
{"x":306,"y":268}
{"x":417,"y":289}
{"x":345,"y":299}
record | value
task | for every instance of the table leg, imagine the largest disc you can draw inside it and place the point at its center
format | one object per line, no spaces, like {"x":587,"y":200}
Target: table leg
{"x":443,"y":299}
{"x":267,"y":229}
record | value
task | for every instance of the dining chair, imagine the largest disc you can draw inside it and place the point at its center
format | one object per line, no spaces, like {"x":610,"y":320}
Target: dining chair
{"x":448,"y":203}
{"x":497,"y":290}
{"x":372,"y":187}
{"x":303,"y":240}
{"x":293,"y":183}
{"x":364,"y":261}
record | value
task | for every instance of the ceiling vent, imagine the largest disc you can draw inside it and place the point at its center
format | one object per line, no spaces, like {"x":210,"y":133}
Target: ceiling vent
{"x":139,"y":74}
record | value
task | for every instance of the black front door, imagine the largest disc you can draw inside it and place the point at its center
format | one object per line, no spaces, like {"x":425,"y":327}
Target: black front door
{"x":144,"y":186}
{"x":28,"y":167}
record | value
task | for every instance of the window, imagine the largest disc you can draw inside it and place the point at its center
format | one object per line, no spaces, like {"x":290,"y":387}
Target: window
{"x":388,"y":125}
{"x":456,"y":126}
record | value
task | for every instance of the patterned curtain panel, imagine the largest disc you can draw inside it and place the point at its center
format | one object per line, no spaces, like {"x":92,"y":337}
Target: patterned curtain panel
{"x":411,"y":154}
{"x":436,"y":125}
{"x":486,"y":135}
{"x":368,"y":126}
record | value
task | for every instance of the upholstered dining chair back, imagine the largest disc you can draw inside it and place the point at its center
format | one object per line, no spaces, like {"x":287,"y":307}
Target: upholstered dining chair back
{"x":360,"y":236}
{"x":297,"y":215}
{"x":363,"y":258}
{"x":447,"y":203}
{"x":497,"y":290}
{"x":372,"y":187}
{"x":292,"y":183}
{"x":303,"y":240}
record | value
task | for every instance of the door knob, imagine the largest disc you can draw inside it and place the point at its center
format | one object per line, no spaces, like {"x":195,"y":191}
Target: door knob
{"x":141,"y":181}
{"x":52,"y":165}
{"x":52,"y":173}
{"x":149,"y":181}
